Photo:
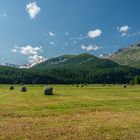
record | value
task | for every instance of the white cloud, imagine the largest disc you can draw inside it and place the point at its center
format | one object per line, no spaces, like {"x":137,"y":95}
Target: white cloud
{"x":27,"y":50}
{"x":101,"y":55}
{"x":95,"y":33}
{"x":81,"y":38}
{"x":52,"y":34}
{"x":36,"y":59}
{"x":32,"y":53}
{"x":124,"y":30}
{"x":66,"y":44}
{"x":110,"y":54}
{"x":4,"y":14}
{"x":90,"y":47}
{"x":32,"y":9}
{"x":52,"y":43}
{"x":66,"y":33}
{"x":78,"y":38}
{"x":124,"y":34}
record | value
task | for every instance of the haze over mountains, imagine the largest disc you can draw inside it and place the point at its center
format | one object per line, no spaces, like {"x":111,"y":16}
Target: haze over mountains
{"x":129,"y":56}
{"x":120,"y":67}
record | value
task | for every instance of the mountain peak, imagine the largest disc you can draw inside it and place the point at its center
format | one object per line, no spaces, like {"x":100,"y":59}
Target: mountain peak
{"x":138,"y":44}
{"x":82,"y":60}
{"x":129,"y":56}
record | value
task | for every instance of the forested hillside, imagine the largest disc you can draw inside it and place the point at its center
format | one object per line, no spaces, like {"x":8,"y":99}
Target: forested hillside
{"x":80,"y":69}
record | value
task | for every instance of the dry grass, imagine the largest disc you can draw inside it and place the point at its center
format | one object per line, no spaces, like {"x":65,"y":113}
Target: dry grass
{"x":84,"y":125}
{"x":92,"y":113}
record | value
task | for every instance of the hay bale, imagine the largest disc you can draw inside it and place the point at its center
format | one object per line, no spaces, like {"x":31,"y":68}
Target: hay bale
{"x":48,"y":91}
{"x":125,"y":86}
{"x":11,"y":87}
{"x":23,"y":89}
{"x":82,"y":85}
{"x":85,"y":84}
{"x":77,"y":86}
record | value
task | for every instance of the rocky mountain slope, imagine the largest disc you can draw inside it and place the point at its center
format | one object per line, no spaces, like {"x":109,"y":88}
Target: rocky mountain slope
{"x":127,"y":56}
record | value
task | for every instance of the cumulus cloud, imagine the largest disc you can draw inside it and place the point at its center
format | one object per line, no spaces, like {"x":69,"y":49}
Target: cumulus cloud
{"x":81,"y":38}
{"x":90,"y":34}
{"x":66,"y":33}
{"x":66,"y":44}
{"x":52,"y":34}
{"x":124,"y":30}
{"x":90,"y":47}
{"x":33,"y":9}
{"x":3,"y":14}
{"x":36,"y":59}
{"x":27,"y":50}
{"x":101,"y":55}
{"x":52,"y":43}
{"x":95,"y":33}
{"x":32,"y":53}
{"x":78,"y":38}
{"x":124,"y":34}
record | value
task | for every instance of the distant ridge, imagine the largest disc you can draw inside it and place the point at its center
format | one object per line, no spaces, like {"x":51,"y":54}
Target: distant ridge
{"x":9,"y":65}
{"x":83,"y":60}
{"x":127,"y":56}
{"x":70,"y":69}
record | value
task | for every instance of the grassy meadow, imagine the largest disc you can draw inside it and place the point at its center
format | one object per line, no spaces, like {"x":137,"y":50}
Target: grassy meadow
{"x":94,"y":112}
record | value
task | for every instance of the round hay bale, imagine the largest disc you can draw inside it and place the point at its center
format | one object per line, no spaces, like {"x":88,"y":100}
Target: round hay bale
{"x":48,"y":91}
{"x":11,"y":87}
{"x":125,"y":86}
{"x":85,"y":84}
{"x":77,"y":86}
{"x":23,"y":89}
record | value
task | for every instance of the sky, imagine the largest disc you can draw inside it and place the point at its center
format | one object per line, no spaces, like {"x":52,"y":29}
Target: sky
{"x":33,"y":31}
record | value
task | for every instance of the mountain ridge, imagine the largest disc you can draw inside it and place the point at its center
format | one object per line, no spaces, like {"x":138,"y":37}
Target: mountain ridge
{"x":129,"y":56}
{"x":76,"y":61}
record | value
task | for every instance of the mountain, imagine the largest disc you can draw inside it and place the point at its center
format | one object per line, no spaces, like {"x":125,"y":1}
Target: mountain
{"x":77,"y":61}
{"x":70,"y":69}
{"x":127,"y":56}
{"x":9,"y":65}
{"x":86,"y":68}
{"x":24,"y":66}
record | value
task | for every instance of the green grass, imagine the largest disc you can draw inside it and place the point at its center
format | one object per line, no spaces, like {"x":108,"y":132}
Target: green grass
{"x":97,"y":112}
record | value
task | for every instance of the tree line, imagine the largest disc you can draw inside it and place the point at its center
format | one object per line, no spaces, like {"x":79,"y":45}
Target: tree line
{"x":116,"y":75}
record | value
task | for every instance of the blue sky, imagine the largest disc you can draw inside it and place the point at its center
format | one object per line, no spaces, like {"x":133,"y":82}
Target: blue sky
{"x":31,"y":31}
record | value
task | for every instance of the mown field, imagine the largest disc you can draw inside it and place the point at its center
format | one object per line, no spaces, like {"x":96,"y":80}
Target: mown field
{"x":95,"y":112}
